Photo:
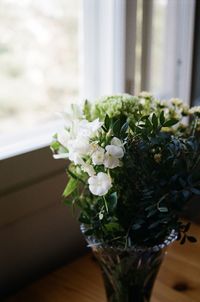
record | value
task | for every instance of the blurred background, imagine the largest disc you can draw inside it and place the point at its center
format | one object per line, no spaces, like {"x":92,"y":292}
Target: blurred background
{"x":53,"y":53}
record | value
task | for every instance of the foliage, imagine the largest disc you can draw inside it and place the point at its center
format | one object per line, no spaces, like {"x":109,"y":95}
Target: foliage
{"x":133,"y":173}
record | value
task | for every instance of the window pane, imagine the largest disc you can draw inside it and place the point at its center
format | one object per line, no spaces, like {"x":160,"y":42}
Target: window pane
{"x":159,"y":22}
{"x":39,"y":60}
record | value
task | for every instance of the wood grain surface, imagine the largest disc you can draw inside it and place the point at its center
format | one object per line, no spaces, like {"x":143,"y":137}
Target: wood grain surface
{"x":80,"y":281}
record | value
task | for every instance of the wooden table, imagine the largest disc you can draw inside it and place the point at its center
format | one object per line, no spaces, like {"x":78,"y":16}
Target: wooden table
{"x":80,"y":281}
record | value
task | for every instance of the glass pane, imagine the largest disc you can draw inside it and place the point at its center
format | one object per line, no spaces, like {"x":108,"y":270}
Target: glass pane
{"x":159,"y":22}
{"x":39,"y":60}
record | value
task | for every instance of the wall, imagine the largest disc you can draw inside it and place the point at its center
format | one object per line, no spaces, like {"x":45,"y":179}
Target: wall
{"x":37,"y":231}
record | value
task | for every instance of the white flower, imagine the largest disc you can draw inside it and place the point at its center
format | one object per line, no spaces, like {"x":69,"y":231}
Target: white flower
{"x":114,"y":152}
{"x":111,"y":162}
{"x":99,"y":184}
{"x":88,"y":129}
{"x":79,"y":145}
{"x":88,"y":169}
{"x":195,"y":109}
{"x":98,"y":156}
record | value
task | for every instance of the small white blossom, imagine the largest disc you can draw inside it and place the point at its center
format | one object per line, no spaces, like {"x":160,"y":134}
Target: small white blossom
{"x":145,"y":94}
{"x":142,"y":101}
{"x":176,"y":102}
{"x":195,"y":109}
{"x":98,"y":156}
{"x":100,"y":184}
{"x":114,"y":152}
{"x":111,"y":162}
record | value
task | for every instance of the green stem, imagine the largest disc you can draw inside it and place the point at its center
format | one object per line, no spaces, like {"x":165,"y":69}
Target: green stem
{"x":194,"y":126}
{"x":105,"y":202}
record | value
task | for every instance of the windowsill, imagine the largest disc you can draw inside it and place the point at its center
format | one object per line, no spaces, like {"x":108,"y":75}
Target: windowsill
{"x":28,"y":140}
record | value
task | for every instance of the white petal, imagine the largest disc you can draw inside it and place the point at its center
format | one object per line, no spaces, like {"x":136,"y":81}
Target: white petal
{"x":61,"y":155}
{"x":98,"y":156}
{"x":76,"y":158}
{"x":110,"y":161}
{"x":88,"y":169}
{"x":116,"y":142}
{"x":63,"y":137}
{"x":115,"y":151}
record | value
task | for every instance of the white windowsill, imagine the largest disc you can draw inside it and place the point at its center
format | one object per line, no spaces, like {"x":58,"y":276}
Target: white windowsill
{"x":28,"y":140}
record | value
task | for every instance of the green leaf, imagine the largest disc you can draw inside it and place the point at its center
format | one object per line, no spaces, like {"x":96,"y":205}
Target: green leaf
{"x":73,"y":175}
{"x":67,"y":202}
{"x":187,"y":227}
{"x":163,"y":209}
{"x":112,"y":201}
{"x":107,"y":122}
{"x":185,"y":194}
{"x":116,"y":127}
{"x":89,"y":232}
{"x":183,"y":239}
{"x":55,"y":145}
{"x":84,"y":219}
{"x":87,"y":110}
{"x":170,"y":123}
{"x":154,"y":121}
{"x":112,"y":226}
{"x":153,"y":225}
{"x":71,"y":186}
{"x":136,"y":226}
{"x":162,"y":118}
{"x":151,"y":213}
{"x":195,"y":191}
{"x":149,"y":125}
{"x":124,"y":129}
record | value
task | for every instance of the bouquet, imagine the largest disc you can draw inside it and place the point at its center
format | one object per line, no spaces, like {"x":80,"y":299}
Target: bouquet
{"x":132,"y":163}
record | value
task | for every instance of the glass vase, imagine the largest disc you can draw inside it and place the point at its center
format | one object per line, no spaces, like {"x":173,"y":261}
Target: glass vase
{"x":129,"y":274}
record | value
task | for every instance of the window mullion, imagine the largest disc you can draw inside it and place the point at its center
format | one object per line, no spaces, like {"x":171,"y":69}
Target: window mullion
{"x":131,"y":17}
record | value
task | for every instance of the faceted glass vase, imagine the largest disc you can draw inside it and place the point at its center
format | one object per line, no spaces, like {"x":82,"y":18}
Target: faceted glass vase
{"x":129,"y":274}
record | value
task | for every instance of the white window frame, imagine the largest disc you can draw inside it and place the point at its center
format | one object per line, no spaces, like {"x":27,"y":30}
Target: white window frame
{"x":103,"y":65}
